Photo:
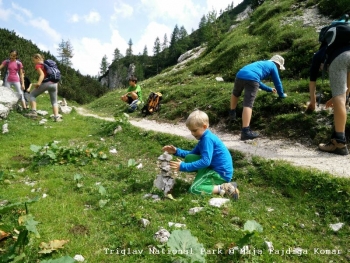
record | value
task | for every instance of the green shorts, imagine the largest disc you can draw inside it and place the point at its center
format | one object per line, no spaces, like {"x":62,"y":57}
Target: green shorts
{"x":205,"y":179}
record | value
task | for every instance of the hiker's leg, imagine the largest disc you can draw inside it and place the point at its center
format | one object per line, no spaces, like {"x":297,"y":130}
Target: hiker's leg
{"x":134,"y":95}
{"x":236,"y":93}
{"x":250,"y":90}
{"x":348,"y":90}
{"x":338,"y":77}
{"x":35,"y":93}
{"x":19,"y":90}
{"x":52,"y":89}
{"x":246,"y":116}
{"x":207,"y":181}
{"x":339,"y":112}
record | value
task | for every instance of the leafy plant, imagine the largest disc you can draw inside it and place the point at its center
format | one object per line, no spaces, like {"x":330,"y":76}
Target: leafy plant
{"x":77,"y":178}
{"x":251,"y":228}
{"x":26,"y":225}
{"x":186,"y":246}
{"x":51,"y":153}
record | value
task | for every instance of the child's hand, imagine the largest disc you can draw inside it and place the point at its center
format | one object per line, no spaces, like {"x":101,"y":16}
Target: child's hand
{"x":169,"y":148}
{"x":274,"y":90}
{"x":175,"y":164}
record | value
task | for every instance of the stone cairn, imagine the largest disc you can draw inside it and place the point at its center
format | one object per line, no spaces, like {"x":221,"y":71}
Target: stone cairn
{"x":165,"y":181}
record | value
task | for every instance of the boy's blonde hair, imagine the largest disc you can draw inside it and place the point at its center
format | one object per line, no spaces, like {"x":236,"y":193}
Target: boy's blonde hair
{"x":197,"y":119}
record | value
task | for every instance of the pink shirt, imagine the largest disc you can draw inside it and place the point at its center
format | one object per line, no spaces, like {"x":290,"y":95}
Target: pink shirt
{"x":13,"y":69}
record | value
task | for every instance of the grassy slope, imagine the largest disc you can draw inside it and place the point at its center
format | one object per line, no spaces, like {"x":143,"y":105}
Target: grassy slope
{"x":194,"y":86}
{"x":304,"y":202}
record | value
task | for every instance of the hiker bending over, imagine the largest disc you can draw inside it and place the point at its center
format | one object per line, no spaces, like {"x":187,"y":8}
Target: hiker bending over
{"x":210,"y":158}
{"x":249,"y":78}
{"x":134,"y":94}
{"x":317,"y":66}
{"x":14,"y":74}
{"x":40,"y":87}
{"x":339,"y":67}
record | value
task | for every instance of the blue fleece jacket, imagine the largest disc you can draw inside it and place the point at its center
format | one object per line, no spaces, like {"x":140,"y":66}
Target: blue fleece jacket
{"x":214,"y":155}
{"x":260,"y":70}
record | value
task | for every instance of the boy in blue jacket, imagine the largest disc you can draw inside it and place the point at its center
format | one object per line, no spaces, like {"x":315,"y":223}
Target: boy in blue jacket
{"x":249,"y":78}
{"x":210,"y":158}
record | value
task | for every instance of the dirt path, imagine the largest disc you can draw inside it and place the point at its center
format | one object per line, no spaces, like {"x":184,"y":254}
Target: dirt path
{"x":292,"y":152}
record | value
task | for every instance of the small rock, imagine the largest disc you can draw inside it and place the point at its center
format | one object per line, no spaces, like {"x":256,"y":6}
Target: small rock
{"x":113,"y":151}
{"x":144,"y":222}
{"x":5,"y":128}
{"x":178,"y":225}
{"x":162,"y":235}
{"x":218,"y":202}
{"x":4,"y":202}
{"x":195,"y":210}
{"x":336,"y":227}
{"x":79,"y":258}
{"x":269,"y":245}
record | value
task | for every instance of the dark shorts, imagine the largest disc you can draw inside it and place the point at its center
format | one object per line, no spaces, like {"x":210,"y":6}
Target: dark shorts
{"x":129,"y":100}
{"x":250,"y":89}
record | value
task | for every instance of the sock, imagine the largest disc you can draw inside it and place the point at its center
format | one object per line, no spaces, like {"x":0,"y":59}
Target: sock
{"x":339,"y":136}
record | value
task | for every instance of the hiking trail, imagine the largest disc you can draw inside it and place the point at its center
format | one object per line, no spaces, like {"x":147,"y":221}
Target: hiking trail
{"x":279,"y":149}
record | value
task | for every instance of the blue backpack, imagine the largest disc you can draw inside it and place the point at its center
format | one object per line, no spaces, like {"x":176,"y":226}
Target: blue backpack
{"x":53,"y":73}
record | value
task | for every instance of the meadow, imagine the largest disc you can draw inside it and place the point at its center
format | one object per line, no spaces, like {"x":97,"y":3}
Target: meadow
{"x":64,"y":186}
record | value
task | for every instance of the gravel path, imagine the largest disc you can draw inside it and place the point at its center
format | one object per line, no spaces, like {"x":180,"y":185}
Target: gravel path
{"x":295,"y":153}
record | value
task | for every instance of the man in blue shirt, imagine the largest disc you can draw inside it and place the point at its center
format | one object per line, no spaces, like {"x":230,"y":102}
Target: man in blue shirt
{"x":210,"y":158}
{"x":249,"y":78}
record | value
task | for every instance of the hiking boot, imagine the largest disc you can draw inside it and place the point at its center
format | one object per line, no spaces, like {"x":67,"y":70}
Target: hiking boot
{"x":57,"y":119}
{"x":248,"y":134}
{"x":334,"y":147}
{"x":31,"y":114}
{"x":230,"y":189}
{"x":232,"y":114}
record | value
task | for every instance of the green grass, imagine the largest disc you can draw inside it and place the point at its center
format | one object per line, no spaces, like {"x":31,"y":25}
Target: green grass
{"x":294,"y":206}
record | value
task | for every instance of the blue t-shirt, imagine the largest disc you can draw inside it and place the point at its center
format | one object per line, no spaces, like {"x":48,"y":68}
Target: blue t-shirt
{"x":260,"y":70}
{"x":214,"y":155}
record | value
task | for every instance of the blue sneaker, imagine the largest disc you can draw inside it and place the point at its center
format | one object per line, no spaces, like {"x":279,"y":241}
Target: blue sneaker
{"x":133,"y":105}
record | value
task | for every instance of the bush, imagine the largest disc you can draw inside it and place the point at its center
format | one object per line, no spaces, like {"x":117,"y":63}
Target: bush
{"x":334,"y":8}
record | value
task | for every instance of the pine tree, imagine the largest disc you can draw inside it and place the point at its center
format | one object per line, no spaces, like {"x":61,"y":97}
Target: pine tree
{"x":117,"y":55}
{"x":65,"y":53}
{"x":129,"y":49}
{"x":156,"y":52}
{"x":104,"y":65}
